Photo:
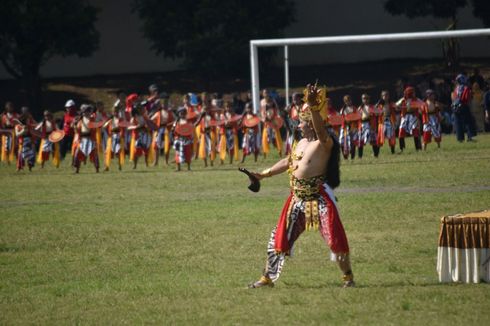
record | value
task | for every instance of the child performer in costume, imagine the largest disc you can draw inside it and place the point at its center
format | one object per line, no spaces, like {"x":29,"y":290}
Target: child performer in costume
{"x":207,"y":130}
{"x":46,"y":147}
{"x":272,"y":122}
{"x":8,"y":138}
{"x":228,"y":132}
{"x":292,"y":120}
{"x":183,"y":136}
{"x":349,"y":133}
{"x":387,"y":121}
{"x":313,"y":169}
{"x":23,"y":133}
{"x":140,"y":137}
{"x":410,"y":107}
{"x":115,"y":128}
{"x":101,"y":133}
{"x":431,"y":118}
{"x":164,"y":119}
{"x":251,"y":137}
{"x":333,"y":118}
{"x":369,"y":126}
{"x":86,"y":146}
{"x":130,"y":102}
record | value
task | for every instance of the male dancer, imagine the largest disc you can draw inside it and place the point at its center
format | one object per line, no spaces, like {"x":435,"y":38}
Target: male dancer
{"x":369,"y":126}
{"x":349,"y":133}
{"x":207,"y":142}
{"x":387,"y":121}
{"x":163,"y":118}
{"x":140,"y":136}
{"x":228,"y":143}
{"x":46,"y":147}
{"x":23,"y":133}
{"x":250,"y":128}
{"x":431,"y":118}
{"x":410,"y":106}
{"x":8,"y":138}
{"x":86,"y":146}
{"x":313,"y":169}
{"x":115,"y":128}
{"x":183,"y":135}
{"x":292,"y":120}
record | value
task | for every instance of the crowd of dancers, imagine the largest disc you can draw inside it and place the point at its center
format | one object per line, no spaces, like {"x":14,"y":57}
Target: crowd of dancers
{"x":208,"y":129}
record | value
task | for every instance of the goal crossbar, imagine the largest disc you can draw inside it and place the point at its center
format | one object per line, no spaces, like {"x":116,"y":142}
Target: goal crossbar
{"x":286,"y":42}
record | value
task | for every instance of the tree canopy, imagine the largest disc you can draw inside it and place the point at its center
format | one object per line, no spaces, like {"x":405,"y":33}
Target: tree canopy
{"x":438,"y":8}
{"x":33,"y":31}
{"x":212,"y":36}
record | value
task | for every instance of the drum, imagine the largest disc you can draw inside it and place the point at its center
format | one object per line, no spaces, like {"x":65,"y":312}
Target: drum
{"x":251,"y":122}
{"x":335,"y":120}
{"x":186,"y":129}
{"x":56,"y":136}
{"x":356,"y":116}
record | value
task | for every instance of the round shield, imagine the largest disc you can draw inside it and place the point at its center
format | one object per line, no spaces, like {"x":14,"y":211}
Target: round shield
{"x":353,"y":116}
{"x":56,"y":136}
{"x":186,"y":129}
{"x":123,"y":124}
{"x":235,"y":118}
{"x":335,"y":119}
{"x":95,"y":124}
{"x":215,"y":123}
{"x":251,"y":122}
{"x":278,"y":121}
{"x":375,"y":110}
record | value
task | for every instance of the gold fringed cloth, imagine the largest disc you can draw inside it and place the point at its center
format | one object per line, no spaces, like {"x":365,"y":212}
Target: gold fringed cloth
{"x":463,"y":254}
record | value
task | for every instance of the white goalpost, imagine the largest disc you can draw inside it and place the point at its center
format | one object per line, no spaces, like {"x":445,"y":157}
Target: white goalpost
{"x":286,"y":42}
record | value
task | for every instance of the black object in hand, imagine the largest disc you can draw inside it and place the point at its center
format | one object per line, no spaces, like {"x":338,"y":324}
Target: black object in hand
{"x":254,"y":182}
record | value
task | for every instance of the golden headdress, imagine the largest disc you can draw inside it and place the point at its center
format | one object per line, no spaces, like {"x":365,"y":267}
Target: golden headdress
{"x":320,"y":106}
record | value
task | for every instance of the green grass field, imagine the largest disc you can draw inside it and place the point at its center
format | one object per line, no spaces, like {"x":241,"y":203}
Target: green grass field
{"x":155,"y":246}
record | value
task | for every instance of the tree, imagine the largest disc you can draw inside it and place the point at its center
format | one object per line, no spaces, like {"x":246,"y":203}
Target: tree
{"x":212,"y":36}
{"x":445,"y":9}
{"x":33,"y":31}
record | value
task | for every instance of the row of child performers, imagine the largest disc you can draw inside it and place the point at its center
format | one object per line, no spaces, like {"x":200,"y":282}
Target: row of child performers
{"x":207,"y":132}
{"x":205,"y":135}
{"x":384,"y":121}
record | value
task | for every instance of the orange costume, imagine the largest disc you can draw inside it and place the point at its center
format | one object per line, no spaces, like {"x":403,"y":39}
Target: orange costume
{"x":411,"y":107}
{"x":228,"y":131}
{"x":8,"y":136}
{"x":115,"y":145}
{"x":386,"y":124}
{"x":47,"y":126}
{"x":431,"y":120}
{"x":163,"y":119}
{"x":207,"y":141}
{"x":272,"y":122}
{"x":349,"y":132}
{"x":85,"y":146}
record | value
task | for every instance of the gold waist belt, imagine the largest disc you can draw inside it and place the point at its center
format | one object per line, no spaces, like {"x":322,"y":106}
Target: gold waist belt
{"x":308,"y":190}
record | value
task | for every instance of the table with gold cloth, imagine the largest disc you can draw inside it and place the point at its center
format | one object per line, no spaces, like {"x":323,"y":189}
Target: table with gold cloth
{"x":463,"y":254}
